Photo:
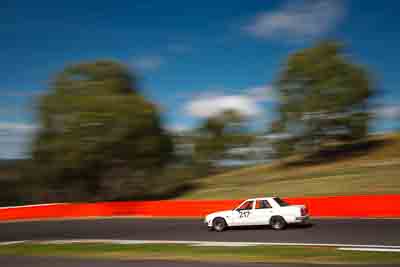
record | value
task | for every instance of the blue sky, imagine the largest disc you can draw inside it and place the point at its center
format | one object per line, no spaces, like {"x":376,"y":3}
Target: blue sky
{"x":193,"y":57}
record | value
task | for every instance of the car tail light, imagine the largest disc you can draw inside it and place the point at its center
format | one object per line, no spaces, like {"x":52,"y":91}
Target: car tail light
{"x":304,"y":211}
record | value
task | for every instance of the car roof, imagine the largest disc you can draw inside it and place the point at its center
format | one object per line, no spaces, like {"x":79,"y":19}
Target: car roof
{"x":260,"y":198}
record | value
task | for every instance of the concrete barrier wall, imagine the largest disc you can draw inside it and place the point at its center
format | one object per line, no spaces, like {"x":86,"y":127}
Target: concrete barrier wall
{"x":336,"y":206}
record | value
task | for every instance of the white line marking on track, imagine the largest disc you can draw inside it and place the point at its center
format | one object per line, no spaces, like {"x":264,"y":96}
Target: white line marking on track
{"x":11,"y":243}
{"x":371,"y":249}
{"x":222,"y":244}
{"x":205,"y":243}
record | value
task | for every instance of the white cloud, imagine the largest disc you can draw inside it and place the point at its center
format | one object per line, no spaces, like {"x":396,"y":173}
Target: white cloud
{"x":211,"y":105}
{"x":388,"y":112}
{"x":262,"y":93}
{"x":298,"y":19}
{"x":14,"y":139}
{"x":248,"y":103}
{"x":17,"y":127}
{"x":178,"y":128}
{"x":148,"y":63}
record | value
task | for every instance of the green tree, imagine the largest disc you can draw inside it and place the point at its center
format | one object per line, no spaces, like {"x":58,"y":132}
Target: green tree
{"x":323,"y":97}
{"x":219,"y":133}
{"x":95,"y":123}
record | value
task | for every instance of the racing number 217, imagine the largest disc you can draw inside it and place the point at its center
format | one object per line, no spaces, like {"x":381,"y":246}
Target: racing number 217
{"x":244,"y":214}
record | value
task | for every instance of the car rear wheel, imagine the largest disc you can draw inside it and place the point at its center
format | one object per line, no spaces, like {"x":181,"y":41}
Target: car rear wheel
{"x":278,"y":223}
{"x":219,"y":224}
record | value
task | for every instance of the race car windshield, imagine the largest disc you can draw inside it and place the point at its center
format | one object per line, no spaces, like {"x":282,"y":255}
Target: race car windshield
{"x":248,"y":205}
{"x":281,"y":202}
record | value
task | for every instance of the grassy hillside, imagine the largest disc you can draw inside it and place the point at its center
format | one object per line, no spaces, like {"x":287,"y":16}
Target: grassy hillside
{"x":370,"y":167}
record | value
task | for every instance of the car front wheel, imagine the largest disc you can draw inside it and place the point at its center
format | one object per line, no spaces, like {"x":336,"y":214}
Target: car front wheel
{"x":219,"y":224}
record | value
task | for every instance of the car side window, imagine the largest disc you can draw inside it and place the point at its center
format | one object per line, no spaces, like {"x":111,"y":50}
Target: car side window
{"x":262,"y":204}
{"x":248,"y":205}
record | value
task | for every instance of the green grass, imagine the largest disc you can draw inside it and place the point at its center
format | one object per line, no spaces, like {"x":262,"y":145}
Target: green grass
{"x":352,"y":171}
{"x":270,"y":254}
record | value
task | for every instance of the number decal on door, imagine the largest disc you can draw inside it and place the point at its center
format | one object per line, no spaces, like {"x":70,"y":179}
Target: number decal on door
{"x":244,"y":214}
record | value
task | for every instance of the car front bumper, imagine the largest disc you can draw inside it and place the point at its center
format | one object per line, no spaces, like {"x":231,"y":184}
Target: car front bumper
{"x":207,"y":222}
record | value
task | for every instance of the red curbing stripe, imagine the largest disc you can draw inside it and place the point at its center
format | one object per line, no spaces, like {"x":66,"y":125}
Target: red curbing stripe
{"x":379,"y":206}
{"x":384,"y":206}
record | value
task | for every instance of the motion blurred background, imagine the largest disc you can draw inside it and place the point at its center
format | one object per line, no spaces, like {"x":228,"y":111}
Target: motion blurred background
{"x":127,"y":100}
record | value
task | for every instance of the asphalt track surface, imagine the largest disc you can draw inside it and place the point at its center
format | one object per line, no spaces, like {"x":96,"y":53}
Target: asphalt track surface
{"x":363,"y":232}
{"x":13,"y":261}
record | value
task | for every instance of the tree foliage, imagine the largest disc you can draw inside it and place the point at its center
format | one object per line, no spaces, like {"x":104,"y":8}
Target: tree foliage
{"x":219,"y":133}
{"x":323,"y":97}
{"x":95,"y":122}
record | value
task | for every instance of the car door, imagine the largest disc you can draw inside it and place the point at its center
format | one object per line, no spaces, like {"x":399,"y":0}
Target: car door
{"x":243,"y":215}
{"x":262,"y":212}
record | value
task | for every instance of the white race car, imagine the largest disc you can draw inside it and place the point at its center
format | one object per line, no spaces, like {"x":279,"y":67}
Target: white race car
{"x":271,"y":211}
